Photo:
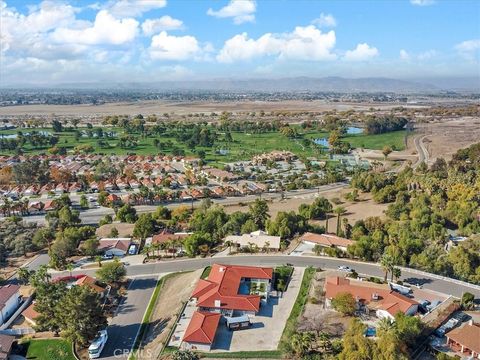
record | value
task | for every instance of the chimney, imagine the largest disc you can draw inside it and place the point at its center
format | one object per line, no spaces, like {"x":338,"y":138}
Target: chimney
{"x":470,"y":322}
{"x":221,"y":269}
{"x":218,"y":303}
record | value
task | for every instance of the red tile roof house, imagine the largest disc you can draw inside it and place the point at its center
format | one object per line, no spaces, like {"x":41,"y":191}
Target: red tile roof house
{"x":226,"y":291}
{"x":379,"y":298}
{"x":30,"y":314}
{"x":465,"y":340}
{"x":9,"y":301}
{"x":326,"y":240}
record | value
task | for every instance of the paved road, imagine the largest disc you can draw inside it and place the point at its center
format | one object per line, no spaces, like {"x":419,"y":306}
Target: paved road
{"x":41,"y":259}
{"x":447,"y":286}
{"x":421,"y":150}
{"x":125,"y":325}
{"x":94,"y":215}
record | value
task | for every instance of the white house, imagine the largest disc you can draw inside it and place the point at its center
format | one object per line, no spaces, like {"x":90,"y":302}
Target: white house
{"x":10,"y":300}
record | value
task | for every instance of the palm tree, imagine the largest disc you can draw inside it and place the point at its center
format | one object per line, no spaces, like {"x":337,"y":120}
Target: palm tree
{"x":70,"y":268}
{"x":99,"y":259}
{"x":396,"y":273}
{"x":339,"y":210}
{"x":388,"y":263}
{"x":385,"y":325}
{"x":301,"y":342}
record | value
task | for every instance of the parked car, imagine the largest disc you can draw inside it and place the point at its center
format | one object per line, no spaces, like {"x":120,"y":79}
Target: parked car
{"x":345,"y":268}
{"x":96,"y":347}
{"x":107,"y":256}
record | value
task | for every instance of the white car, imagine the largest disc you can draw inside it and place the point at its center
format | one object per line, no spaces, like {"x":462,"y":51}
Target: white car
{"x":345,"y":268}
{"x":96,"y":347}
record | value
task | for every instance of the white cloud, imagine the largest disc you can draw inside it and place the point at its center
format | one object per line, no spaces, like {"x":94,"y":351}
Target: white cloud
{"x":422,"y":2}
{"x":361,"y":53}
{"x":240,"y":10}
{"x":325,"y":20}
{"x":152,"y":26}
{"x":404,"y":55}
{"x":129,"y":8}
{"x":427,"y":55}
{"x":169,"y":47}
{"x":304,"y":43}
{"x":105,"y":30}
{"x":468,"y":45}
{"x":469,"y":49}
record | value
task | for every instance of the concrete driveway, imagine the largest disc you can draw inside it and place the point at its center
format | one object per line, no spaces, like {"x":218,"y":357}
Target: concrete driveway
{"x":124,"y":326}
{"x":267,"y":326}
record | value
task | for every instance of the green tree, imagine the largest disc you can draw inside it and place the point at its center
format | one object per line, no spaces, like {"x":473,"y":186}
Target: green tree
{"x":301,"y":343}
{"x":340,"y":211}
{"x":259,"y":213}
{"x":355,"y":345}
{"x":84,"y":202}
{"x":43,"y":237}
{"x":112,"y":272}
{"x":144,"y":227}
{"x":107,"y":219}
{"x":90,"y":247}
{"x":387,"y":263}
{"x":127,"y":213}
{"x":387,"y":150}
{"x":24,"y":275}
{"x":80,"y":315}
{"x":113,"y":232}
{"x":468,"y":301}
{"x":344,"y":303}
{"x":184,"y":355}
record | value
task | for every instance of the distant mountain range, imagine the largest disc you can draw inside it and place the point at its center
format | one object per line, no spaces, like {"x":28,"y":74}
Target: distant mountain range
{"x":297,"y":84}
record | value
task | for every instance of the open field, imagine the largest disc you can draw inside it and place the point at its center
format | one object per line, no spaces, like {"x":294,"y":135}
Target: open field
{"x":184,"y":107}
{"x":446,"y":137}
{"x":361,"y":209}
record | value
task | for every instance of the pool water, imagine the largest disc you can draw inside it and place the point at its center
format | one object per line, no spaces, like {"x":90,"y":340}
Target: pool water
{"x":244,"y":289}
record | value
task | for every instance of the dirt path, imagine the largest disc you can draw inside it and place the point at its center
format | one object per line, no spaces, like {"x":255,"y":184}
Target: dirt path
{"x":175,"y":291}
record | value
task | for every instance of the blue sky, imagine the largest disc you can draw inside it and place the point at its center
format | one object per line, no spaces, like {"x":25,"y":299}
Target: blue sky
{"x":150,"y":40}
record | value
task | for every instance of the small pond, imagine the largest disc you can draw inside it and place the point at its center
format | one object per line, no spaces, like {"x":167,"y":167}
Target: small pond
{"x":322,"y":142}
{"x":352,"y":130}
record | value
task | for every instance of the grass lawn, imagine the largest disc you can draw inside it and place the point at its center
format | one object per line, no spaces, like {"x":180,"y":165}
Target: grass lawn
{"x":50,"y":349}
{"x":244,"y":146}
{"x":377,"y":142}
{"x":291,"y":325}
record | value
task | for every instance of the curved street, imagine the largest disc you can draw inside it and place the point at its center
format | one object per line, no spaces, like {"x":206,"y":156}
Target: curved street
{"x":431,"y":282}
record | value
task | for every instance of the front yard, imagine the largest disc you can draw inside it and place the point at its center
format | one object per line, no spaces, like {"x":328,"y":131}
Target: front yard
{"x":48,"y":349}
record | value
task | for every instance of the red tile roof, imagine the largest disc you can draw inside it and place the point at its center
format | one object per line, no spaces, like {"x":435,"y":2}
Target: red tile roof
{"x":30,"y":313}
{"x":202,"y":327}
{"x":467,"y":335}
{"x":326,"y":239}
{"x":220,"y":289}
{"x":364,"y":292}
{"x":90,"y":282}
{"x":166,"y":236}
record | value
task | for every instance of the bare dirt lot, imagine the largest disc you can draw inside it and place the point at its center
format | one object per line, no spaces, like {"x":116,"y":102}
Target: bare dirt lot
{"x":173,"y":294}
{"x":361,"y":209}
{"x":163,"y":106}
{"x":446,"y":137}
